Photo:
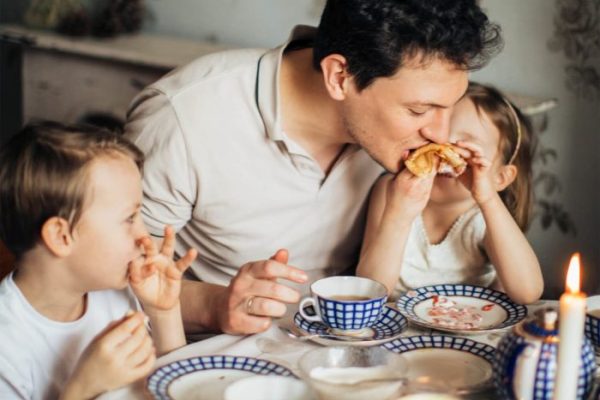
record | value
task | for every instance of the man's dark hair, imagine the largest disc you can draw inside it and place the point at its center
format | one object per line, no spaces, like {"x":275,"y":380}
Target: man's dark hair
{"x":377,"y":36}
{"x":44,"y":173}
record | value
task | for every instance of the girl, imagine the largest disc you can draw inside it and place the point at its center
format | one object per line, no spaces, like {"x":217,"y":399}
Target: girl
{"x":439,"y":229}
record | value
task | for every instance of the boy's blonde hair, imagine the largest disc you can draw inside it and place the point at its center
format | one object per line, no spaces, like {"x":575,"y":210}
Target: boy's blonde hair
{"x":517,"y":146}
{"x":44,"y":172}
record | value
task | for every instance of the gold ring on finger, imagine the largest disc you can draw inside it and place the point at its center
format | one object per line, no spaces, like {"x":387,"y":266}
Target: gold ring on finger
{"x":249,"y":305}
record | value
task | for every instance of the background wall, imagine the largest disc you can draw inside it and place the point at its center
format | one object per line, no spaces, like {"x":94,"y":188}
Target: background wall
{"x":264,"y":23}
{"x":12,"y":11}
{"x":527,"y":65}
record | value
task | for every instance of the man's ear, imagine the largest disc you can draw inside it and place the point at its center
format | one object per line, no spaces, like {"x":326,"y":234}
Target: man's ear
{"x":56,"y":236}
{"x":335,"y":75}
{"x":505,"y":176}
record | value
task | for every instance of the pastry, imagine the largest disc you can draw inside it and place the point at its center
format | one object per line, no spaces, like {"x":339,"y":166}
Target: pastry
{"x":436,"y":158}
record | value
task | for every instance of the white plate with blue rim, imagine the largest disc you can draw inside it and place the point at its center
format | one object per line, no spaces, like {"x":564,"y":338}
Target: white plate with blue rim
{"x":462,"y":309}
{"x":207,"y":377}
{"x":460,"y":364}
{"x":390,"y":324}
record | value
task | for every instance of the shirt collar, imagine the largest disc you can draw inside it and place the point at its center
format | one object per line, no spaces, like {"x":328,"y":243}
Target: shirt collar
{"x":267,"y":93}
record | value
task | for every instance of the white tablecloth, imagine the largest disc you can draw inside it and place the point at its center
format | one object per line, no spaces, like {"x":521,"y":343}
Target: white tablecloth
{"x":272,"y":345}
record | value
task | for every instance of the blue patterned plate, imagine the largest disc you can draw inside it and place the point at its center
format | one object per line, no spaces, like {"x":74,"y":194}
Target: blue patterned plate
{"x":463,"y":309}
{"x":390,"y":324}
{"x":460,"y":364}
{"x":207,"y":377}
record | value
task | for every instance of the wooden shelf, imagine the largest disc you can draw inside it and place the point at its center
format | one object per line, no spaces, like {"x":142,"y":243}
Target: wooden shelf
{"x":139,"y":49}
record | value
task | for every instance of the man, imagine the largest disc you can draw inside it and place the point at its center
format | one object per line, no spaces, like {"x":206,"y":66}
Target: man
{"x":250,"y":151}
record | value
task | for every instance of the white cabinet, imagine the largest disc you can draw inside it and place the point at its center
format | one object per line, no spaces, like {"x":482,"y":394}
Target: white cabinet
{"x":64,"y":79}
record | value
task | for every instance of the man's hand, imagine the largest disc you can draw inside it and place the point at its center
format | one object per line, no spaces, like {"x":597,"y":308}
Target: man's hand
{"x":254,"y":296}
{"x":120,"y":355}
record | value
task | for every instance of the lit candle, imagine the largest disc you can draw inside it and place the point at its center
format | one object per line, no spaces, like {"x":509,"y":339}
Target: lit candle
{"x":570,"y":334}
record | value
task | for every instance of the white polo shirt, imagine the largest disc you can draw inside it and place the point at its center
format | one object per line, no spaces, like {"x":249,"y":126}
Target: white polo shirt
{"x":220,"y":170}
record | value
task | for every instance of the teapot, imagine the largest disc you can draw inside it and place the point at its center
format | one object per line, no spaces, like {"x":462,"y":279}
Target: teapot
{"x":526,"y":360}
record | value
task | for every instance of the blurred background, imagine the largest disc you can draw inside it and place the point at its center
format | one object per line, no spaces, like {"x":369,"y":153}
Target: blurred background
{"x":551,"y":56}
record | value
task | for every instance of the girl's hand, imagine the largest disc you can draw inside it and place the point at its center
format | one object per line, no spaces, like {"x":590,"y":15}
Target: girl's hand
{"x":407,"y":195}
{"x":120,"y":355}
{"x":480,"y":181}
{"x":155,"y":278}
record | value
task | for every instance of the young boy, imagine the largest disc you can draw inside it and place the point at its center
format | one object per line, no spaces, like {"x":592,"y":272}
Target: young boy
{"x":70,"y":203}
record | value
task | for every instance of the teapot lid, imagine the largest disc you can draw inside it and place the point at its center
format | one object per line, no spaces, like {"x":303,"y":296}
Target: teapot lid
{"x":544,"y":323}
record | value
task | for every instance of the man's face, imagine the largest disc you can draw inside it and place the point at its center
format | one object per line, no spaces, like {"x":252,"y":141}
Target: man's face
{"x":407,"y":110}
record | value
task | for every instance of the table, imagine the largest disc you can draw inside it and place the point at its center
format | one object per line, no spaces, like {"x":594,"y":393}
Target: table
{"x":276,"y":346}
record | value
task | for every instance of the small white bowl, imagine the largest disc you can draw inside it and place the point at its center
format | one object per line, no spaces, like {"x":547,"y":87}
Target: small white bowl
{"x":268,"y":387}
{"x":426,"y":389}
{"x":353,"y":373}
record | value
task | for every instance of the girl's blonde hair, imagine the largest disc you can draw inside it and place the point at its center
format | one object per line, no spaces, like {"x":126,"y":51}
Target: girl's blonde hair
{"x":517,"y":147}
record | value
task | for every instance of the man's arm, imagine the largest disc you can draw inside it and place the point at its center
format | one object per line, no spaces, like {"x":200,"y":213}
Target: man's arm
{"x":197,"y":299}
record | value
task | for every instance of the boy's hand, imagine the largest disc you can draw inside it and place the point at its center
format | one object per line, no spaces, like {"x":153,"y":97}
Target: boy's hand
{"x":480,"y":181}
{"x":155,"y":278}
{"x":120,"y":355}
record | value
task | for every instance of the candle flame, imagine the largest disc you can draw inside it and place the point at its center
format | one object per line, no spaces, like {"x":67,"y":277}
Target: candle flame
{"x":573,"y":278}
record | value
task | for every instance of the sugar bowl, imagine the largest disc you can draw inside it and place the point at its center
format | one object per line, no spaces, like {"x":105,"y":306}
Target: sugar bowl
{"x":525,"y":361}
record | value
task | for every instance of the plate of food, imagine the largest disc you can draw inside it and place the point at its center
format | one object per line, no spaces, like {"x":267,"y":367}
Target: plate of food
{"x":390,"y":324}
{"x":460,"y":364}
{"x":463,"y":309}
{"x":207,"y":377}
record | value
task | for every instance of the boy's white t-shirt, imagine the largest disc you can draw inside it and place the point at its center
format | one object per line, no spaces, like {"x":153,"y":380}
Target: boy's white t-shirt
{"x":37,"y":355}
{"x":458,"y":258}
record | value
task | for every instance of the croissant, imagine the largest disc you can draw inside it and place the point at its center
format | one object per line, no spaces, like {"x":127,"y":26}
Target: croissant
{"x":439,"y":158}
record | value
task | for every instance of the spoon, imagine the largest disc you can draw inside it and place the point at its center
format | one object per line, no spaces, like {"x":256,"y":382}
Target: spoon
{"x":300,"y":336}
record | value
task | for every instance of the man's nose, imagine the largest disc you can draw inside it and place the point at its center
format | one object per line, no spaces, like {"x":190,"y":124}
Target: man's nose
{"x":438,"y":130}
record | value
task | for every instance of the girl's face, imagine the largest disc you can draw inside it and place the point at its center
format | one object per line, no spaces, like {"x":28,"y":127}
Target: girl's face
{"x":468,"y":124}
{"x":104,"y":239}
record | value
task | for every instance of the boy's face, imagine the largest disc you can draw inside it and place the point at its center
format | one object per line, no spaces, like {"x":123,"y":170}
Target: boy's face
{"x":405,"y":111}
{"x":104,"y":240}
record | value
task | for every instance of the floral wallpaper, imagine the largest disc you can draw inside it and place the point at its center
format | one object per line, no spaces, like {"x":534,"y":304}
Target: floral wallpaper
{"x":577,"y":34}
